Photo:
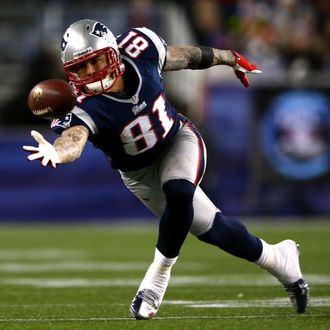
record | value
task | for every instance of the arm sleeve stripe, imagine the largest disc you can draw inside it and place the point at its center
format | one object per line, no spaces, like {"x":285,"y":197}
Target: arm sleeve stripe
{"x":159,"y":44}
{"x":86,"y":118}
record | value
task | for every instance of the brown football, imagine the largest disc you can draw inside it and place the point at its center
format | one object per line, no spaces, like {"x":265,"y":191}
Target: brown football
{"x":51,"y":98}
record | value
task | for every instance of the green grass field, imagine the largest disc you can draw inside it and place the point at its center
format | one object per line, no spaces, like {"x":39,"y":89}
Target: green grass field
{"x":84,"y":277}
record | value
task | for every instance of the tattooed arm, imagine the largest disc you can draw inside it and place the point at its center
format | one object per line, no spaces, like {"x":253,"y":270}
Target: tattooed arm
{"x":67,"y":148}
{"x":189,"y":57}
{"x":71,"y":143}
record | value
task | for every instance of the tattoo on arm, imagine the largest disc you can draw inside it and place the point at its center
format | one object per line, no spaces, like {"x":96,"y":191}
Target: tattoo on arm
{"x":223,"y":57}
{"x":71,"y":143}
{"x":182,"y":58}
{"x":189,"y":57}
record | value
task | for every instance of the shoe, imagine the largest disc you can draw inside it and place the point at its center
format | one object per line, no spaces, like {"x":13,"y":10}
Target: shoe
{"x":151,"y":292}
{"x":286,"y":268}
{"x":298,"y":293}
{"x":287,"y":271}
{"x":145,"y":304}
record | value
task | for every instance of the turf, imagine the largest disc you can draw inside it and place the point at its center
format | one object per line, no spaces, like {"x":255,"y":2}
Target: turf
{"x":84,"y":277}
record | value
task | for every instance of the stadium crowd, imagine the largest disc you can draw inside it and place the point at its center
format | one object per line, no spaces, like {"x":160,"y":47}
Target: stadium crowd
{"x":279,"y":35}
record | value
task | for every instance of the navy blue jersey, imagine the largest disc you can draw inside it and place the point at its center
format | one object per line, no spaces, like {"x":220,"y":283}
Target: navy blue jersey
{"x":130,"y":127}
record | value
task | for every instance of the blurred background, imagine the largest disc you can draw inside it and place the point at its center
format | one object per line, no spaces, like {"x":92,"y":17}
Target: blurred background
{"x":268,"y":145}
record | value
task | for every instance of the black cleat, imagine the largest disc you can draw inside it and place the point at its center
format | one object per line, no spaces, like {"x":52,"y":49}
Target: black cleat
{"x":298,"y":293}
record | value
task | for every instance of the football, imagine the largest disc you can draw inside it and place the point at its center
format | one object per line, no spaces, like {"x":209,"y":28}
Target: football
{"x":51,"y":98}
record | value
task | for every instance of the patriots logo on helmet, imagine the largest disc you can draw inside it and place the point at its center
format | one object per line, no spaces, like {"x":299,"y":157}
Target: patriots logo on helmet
{"x":99,"y":30}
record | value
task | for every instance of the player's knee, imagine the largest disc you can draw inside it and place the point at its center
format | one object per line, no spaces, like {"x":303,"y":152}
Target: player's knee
{"x":212,"y":236}
{"x":179,"y":191}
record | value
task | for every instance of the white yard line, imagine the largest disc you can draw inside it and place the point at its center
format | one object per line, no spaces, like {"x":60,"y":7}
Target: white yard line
{"x":65,"y":282}
{"x":65,"y":266}
{"x":58,"y":266}
{"x":36,"y":254}
{"x":192,"y":317}
{"x":177,"y":281}
{"x":242,"y":303}
{"x":233,"y":303}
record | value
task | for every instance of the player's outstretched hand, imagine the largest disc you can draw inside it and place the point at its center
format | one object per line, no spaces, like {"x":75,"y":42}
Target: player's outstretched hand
{"x":243,"y":66}
{"x":45,"y":152}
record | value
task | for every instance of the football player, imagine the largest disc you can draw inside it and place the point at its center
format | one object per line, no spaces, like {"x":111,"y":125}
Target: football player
{"x":122,"y":109}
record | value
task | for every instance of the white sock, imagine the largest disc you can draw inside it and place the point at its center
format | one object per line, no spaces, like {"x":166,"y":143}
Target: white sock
{"x":158,"y":273}
{"x":267,"y":259}
{"x":163,"y":261}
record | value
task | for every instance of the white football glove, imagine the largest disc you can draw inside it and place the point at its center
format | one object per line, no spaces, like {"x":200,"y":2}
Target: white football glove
{"x":45,"y":151}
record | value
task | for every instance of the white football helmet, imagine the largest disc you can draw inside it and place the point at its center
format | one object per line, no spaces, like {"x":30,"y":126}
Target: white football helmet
{"x":84,"y":40}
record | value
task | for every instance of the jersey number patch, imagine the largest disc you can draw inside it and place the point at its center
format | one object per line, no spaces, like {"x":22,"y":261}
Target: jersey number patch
{"x":140,"y":134}
{"x":136,"y":46}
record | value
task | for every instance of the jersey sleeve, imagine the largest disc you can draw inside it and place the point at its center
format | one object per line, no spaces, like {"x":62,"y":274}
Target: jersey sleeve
{"x":74,"y":118}
{"x":159,"y":43}
{"x":152,"y":46}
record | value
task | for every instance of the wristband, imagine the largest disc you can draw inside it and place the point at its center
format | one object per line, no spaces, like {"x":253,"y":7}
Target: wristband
{"x":207,"y":57}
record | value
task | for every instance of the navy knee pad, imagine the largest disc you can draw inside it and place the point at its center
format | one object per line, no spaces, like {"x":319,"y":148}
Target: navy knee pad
{"x":179,"y":191}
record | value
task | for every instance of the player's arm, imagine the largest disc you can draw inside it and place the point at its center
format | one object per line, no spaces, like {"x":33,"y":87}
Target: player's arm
{"x":67,"y":148}
{"x":197,"y":58}
{"x":71,"y":143}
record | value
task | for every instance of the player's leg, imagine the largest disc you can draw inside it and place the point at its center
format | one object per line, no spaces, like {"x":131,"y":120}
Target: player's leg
{"x":179,"y":170}
{"x":230,"y":235}
{"x":145,"y":185}
{"x":154,"y":284}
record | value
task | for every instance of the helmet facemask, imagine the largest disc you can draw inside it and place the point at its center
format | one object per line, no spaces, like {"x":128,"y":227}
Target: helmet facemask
{"x":101,"y":81}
